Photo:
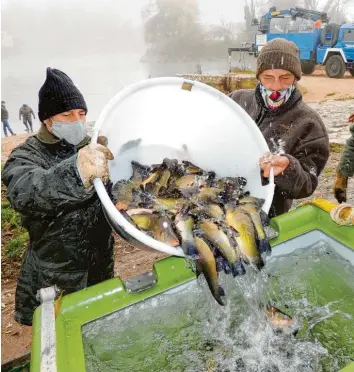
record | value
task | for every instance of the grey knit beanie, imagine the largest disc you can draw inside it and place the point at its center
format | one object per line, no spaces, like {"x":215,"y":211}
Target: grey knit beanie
{"x":279,"y":53}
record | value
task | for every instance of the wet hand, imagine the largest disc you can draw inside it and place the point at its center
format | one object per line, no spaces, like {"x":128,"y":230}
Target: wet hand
{"x":351,"y":118}
{"x":92,"y":162}
{"x":279,"y":163}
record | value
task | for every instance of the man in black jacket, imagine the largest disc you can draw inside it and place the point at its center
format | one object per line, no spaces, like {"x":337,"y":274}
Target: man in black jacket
{"x":49,"y":182}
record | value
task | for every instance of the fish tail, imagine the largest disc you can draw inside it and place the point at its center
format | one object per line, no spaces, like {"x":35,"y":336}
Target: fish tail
{"x":264,"y":218}
{"x":219,"y":264}
{"x":238,"y":269}
{"x":259,"y":264}
{"x":219,"y":293}
{"x":190,"y":249}
{"x":226,"y":267}
{"x":264,"y":247}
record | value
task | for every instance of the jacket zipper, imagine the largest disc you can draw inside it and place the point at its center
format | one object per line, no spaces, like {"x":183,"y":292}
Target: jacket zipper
{"x":260,"y":118}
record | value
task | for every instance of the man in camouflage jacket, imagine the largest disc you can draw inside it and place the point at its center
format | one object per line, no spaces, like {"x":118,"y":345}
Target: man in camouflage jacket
{"x":346,"y":167}
{"x":49,"y":182}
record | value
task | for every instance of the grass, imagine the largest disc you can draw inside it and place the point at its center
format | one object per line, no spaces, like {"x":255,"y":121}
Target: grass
{"x":14,"y":236}
{"x":242,"y":71}
{"x":328,"y":172}
{"x":336,"y":147}
{"x":347,"y":98}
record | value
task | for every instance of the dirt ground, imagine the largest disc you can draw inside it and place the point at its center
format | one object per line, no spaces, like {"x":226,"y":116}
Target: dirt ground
{"x":130,"y":261}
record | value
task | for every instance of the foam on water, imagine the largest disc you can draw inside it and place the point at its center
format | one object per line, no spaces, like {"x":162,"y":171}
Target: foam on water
{"x":189,"y":331}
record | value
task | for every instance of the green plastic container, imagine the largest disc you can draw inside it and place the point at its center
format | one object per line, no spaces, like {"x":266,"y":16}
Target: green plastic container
{"x":304,"y":225}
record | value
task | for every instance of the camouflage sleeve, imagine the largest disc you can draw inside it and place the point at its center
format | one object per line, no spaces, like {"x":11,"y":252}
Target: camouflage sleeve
{"x":33,"y":188}
{"x":32,"y":113}
{"x":346,"y":163}
{"x":19,"y":114}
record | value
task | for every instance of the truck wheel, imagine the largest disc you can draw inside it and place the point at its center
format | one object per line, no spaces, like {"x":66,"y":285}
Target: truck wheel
{"x":307,"y":67}
{"x":335,"y":67}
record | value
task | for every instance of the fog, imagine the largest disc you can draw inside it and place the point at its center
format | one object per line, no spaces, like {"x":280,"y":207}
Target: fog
{"x":108,"y":44}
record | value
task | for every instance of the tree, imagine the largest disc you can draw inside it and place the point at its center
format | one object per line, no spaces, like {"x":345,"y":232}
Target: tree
{"x":171,"y":28}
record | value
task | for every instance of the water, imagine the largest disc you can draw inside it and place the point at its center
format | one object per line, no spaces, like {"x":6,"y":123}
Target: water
{"x":188,"y":331}
{"x":100,"y":76}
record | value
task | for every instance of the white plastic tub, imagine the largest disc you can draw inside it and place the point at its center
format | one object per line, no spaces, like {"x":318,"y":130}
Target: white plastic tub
{"x":182,"y":119}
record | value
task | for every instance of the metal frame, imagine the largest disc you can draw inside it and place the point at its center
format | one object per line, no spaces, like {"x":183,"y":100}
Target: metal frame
{"x":48,"y":361}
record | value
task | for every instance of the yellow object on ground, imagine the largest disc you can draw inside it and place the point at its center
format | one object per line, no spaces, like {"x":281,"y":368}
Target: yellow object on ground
{"x":342,"y":214}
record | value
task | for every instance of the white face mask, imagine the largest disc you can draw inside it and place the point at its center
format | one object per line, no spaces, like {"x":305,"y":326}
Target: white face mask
{"x":73,"y":132}
{"x":281,"y":96}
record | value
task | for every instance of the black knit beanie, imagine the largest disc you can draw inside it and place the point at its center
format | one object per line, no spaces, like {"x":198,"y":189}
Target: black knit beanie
{"x":58,"y":94}
{"x":279,"y":53}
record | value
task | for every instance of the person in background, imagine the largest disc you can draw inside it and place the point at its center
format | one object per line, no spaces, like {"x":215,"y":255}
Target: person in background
{"x":295,"y":133}
{"x":49,"y":181}
{"x":345,"y":167}
{"x":5,"y":120}
{"x":26,"y":113}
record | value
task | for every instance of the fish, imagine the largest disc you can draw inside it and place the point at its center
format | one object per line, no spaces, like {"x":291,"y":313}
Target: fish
{"x":209,"y":210}
{"x":160,"y":227}
{"x":280,"y":321}
{"x":253,"y":211}
{"x":190,"y":168}
{"x":242,"y":224}
{"x":184,"y":224}
{"x":172,"y":205}
{"x":123,"y":191}
{"x":151,"y":179}
{"x":206,"y":265}
{"x":251,"y":199}
{"x":123,"y":194}
{"x":131,"y":212}
{"x":185,"y":181}
{"x":161,"y":183}
{"x":220,"y":240}
{"x":140,"y":172}
{"x":209,"y":193}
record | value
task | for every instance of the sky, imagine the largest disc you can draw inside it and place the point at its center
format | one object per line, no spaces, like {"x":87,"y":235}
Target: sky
{"x":211,"y":10}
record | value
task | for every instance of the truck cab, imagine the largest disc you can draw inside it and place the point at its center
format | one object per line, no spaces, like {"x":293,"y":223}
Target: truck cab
{"x":319,"y":42}
{"x":336,"y":51}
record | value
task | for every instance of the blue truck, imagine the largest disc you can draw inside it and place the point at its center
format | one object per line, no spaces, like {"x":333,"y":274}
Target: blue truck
{"x":319,"y":42}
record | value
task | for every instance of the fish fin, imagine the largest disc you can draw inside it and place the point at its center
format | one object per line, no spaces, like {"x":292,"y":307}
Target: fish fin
{"x":219,"y":264}
{"x":238,"y":269}
{"x":226,"y":267}
{"x":264,"y":247}
{"x":198,"y":268}
{"x":190,"y":249}
{"x":270,"y":232}
{"x":264,"y":218}
{"x":260,"y":264}
{"x":129,"y":145}
{"x":222,"y":291}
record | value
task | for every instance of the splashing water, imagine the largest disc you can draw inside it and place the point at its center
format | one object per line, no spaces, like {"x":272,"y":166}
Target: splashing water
{"x":188,"y":331}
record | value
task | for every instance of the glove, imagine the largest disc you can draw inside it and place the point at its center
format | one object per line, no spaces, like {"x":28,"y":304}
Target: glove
{"x":340,"y":187}
{"x":92,"y":162}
